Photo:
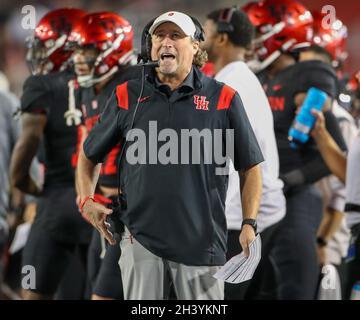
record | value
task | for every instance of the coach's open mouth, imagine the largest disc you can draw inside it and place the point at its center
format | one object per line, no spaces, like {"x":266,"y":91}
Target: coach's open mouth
{"x":167,"y":56}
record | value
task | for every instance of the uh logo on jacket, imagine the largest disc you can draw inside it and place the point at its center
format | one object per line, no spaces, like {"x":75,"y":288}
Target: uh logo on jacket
{"x":201,"y":103}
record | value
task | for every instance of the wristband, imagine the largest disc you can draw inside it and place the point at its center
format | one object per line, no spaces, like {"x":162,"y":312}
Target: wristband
{"x":82,"y":202}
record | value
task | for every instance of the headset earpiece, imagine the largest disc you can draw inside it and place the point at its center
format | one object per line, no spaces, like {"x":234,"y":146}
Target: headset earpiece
{"x":199,"y":32}
{"x":224,"y":22}
{"x":145,"y":53}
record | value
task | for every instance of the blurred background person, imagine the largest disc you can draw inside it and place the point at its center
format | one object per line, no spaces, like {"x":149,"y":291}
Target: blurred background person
{"x":50,"y":116}
{"x":284,"y":28}
{"x":329,"y":46}
{"x":103,"y":55}
{"x":229,"y":34}
{"x":346,"y":168}
{"x":9,"y":132}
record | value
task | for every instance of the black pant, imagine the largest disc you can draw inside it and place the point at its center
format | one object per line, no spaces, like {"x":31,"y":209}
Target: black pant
{"x":73,"y":285}
{"x":108,"y":282}
{"x":262,"y":285}
{"x":353,"y":263}
{"x":57,"y":234}
{"x":295,"y":245}
{"x":51,"y":260}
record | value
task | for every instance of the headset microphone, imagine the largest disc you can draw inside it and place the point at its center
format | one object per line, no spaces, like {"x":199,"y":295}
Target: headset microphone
{"x":154,"y":64}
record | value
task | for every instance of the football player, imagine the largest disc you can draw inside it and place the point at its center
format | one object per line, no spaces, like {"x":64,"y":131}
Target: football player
{"x":49,"y":115}
{"x":102,"y":60}
{"x":284,"y":27}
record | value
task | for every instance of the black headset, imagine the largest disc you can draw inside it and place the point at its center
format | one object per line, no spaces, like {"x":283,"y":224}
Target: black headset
{"x":224,"y":24}
{"x":145,"y":53}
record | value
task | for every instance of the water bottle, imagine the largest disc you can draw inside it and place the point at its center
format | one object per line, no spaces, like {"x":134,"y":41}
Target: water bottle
{"x":305,"y":120}
{"x":355,"y":291}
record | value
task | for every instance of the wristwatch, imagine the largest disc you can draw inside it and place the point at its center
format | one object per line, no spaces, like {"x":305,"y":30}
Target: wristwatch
{"x":321,"y":242}
{"x":251,"y":222}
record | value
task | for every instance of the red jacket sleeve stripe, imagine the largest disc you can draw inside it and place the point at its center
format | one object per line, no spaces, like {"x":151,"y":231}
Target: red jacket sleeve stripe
{"x":122,"y":96}
{"x":225,"y":98}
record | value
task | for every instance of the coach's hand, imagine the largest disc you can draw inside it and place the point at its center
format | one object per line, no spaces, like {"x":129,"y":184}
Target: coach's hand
{"x":96,"y":214}
{"x":247,"y":235}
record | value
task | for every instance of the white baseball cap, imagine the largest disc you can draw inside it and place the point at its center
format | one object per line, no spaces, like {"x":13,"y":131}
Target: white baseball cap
{"x":183,"y":21}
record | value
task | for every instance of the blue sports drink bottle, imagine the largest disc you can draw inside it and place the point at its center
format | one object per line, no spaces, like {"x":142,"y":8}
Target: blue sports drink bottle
{"x":299,"y":132}
{"x":355,"y":292}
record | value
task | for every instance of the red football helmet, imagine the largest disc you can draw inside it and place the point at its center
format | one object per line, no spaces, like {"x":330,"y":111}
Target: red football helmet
{"x":111,"y":35}
{"x":332,"y":38}
{"x":353,"y":83}
{"x":281,"y":25}
{"x":46,"y":48}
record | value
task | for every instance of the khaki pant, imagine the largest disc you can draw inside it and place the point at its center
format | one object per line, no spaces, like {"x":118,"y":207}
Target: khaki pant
{"x":147,"y":277}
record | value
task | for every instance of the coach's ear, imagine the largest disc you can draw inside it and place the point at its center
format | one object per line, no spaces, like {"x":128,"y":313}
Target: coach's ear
{"x":196,"y":46}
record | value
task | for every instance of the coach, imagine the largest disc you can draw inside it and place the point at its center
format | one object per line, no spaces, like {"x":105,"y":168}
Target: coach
{"x":175,"y":221}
